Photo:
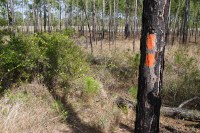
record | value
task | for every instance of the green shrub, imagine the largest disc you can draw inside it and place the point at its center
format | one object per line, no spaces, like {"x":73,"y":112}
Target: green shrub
{"x":91,"y":86}
{"x":69,"y":32}
{"x":133,"y":92}
{"x":181,"y":78}
{"x":52,"y":57}
{"x":59,"y":108}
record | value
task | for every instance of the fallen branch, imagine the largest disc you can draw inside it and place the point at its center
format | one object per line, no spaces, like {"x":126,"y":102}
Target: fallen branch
{"x":179,"y":113}
{"x":188,"y":101}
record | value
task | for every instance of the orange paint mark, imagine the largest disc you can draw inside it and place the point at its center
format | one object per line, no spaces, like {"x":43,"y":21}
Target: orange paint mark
{"x":150,"y":60}
{"x":151,"y":40}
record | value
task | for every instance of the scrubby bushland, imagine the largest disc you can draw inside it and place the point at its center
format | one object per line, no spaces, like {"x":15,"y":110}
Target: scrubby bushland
{"x":50,"y":58}
{"x":182,"y":75}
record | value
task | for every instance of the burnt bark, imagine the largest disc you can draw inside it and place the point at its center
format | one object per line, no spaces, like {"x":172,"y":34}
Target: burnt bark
{"x":153,"y":41}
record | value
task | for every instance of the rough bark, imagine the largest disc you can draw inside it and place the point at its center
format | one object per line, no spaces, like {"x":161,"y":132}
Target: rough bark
{"x":152,"y":47}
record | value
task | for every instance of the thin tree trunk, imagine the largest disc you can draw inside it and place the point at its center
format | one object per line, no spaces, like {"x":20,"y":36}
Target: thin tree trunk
{"x":127,"y":25}
{"x":114,"y":23}
{"x":103,"y":14}
{"x":88,"y":24}
{"x":186,"y":23}
{"x":8,"y":15}
{"x":94,"y":20}
{"x":49,"y":15}
{"x":175,"y":24}
{"x":45,"y":17}
{"x":13,"y":16}
{"x":60,"y":15}
{"x":110,"y":21}
{"x":135,"y":22}
{"x":66,"y":19}
{"x":34,"y":18}
{"x":153,"y":41}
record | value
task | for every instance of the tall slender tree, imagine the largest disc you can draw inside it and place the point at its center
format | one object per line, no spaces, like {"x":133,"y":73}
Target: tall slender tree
{"x":186,"y":21}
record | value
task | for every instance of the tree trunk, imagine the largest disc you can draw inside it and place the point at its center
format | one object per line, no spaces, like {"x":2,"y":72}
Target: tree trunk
{"x":60,"y":15}
{"x":13,"y":16}
{"x":127,"y":26}
{"x":8,"y":14}
{"x":175,"y":24}
{"x":49,"y":15}
{"x":88,"y":24}
{"x":34,"y":18}
{"x":186,"y":21}
{"x":94,"y":21}
{"x":45,"y":18}
{"x":135,"y":22}
{"x":103,"y":14}
{"x":153,"y":41}
{"x":66,"y":19}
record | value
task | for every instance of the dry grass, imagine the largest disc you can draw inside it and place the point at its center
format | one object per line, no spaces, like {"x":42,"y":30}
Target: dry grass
{"x":28,"y":109}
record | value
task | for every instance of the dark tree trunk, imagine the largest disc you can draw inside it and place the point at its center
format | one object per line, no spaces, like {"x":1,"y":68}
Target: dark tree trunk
{"x":186,"y":20}
{"x":127,"y":25}
{"x":153,"y":41}
{"x":49,"y":16}
{"x":12,"y":14}
{"x":45,"y":18}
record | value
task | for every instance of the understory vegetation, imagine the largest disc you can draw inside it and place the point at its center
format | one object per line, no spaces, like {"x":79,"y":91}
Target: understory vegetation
{"x":82,"y":85}
{"x":55,"y":60}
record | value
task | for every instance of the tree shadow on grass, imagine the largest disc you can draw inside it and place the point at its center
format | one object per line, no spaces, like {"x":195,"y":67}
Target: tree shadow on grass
{"x":76,"y":124}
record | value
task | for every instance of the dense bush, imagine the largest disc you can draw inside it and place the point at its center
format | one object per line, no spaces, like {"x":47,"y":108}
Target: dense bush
{"x":52,"y":58}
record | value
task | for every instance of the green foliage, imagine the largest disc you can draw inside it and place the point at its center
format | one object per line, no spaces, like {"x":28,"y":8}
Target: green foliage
{"x":52,"y":57}
{"x":20,"y":96}
{"x":59,"y":107}
{"x":69,"y":32}
{"x":133,"y":92}
{"x":92,"y":86}
{"x":184,"y":78}
{"x":3,"y":22}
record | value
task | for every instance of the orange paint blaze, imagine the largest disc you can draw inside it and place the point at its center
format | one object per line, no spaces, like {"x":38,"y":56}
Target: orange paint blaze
{"x":151,"y":38}
{"x":150,"y":60}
